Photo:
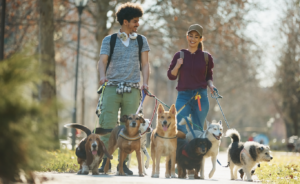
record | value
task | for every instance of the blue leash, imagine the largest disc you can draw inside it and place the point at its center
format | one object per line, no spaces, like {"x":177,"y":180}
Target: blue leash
{"x":190,"y":127}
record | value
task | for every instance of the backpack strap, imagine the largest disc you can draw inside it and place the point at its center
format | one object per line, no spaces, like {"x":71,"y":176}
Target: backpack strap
{"x":206,"y":61}
{"x":112,"y":43}
{"x":181,"y":53}
{"x":140,"y":42}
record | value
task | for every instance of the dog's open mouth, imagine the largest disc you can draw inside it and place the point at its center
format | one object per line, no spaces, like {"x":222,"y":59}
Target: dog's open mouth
{"x":94,"y":152}
{"x":165,"y":127}
{"x":217,"y":137}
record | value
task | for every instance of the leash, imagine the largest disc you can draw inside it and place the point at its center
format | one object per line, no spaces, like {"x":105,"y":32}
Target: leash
{"x":142,"y":101}
{"x":100,"y":90}
{"x":178,"y":112}
{"x":216,"y":96}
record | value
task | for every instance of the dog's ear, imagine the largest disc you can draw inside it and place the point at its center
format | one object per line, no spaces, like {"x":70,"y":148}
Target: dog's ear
{"x":208,"y":143}
{"x":260,"y":149}
{"x":160,"y":109}
{"x":173,"y":110}
{"x":100,"y":150}
{"x":104,"y":150}
{"x":124,"y":118}
{"x":206,"y":125}
{"x":142,"y":119}
{"x":89,"y":156}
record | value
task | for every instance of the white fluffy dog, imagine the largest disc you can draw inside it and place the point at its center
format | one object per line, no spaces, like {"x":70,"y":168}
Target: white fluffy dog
{"x":214,"y":133}
{"x":245,"y":155}
{"x":144,"y":129}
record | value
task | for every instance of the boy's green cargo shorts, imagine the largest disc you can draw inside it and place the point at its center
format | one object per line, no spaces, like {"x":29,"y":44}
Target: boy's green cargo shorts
{"x":111,"y":102}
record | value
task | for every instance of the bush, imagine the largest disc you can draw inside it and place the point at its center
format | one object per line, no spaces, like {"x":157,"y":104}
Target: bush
{"x":25,"y":122}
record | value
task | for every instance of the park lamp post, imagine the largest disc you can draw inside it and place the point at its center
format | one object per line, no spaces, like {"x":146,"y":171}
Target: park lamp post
{"x":80,"y":4}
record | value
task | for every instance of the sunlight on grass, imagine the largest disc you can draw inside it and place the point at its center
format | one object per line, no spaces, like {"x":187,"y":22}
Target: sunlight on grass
{"x":66,"y":161}
{"x":284,"y":168}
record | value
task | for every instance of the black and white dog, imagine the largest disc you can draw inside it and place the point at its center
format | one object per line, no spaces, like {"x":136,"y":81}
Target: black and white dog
{"x":214,"y":134}
{"x":245,"y":155}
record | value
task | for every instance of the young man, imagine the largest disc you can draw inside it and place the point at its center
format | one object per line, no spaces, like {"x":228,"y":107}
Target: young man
{"x":122,"y":73}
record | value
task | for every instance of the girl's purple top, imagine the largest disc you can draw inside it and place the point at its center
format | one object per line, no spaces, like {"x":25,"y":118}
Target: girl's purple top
{"x":192,"y":71}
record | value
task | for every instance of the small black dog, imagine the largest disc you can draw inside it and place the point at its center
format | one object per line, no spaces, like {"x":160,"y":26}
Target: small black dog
{"x":189,"y":155}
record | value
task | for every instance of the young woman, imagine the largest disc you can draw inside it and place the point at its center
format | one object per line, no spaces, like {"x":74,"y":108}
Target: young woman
{"x":193,"y":77}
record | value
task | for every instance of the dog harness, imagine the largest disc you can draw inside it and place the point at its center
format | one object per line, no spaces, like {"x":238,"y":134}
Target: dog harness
{"x":244,"y":151}
{"x":121,"y":134}
{"x":164,"y":137}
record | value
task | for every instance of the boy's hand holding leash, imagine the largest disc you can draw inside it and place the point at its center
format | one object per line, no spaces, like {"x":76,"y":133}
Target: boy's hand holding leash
{"x":103,"y":80}
{"x":144,"y":86}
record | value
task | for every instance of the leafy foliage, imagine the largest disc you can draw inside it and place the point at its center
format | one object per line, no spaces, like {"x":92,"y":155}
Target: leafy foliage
{"x":26,"y":123}
{"x":285,"y":168}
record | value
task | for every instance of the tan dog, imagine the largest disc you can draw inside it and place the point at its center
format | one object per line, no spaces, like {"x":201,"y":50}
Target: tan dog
{"x":127,"y":139}
{"x":164,"y":141}
{"x":90,"y":150}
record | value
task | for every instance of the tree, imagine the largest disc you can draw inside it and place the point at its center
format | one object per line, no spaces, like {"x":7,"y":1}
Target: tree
{"x":288,"y":70}
{"x":48,"y":86}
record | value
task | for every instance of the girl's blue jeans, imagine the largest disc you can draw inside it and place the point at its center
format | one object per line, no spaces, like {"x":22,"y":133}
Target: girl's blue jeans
{"x":198,"y":117}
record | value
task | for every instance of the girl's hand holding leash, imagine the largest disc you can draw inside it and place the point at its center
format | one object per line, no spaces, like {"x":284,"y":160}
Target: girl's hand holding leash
{"x":211,"y":86}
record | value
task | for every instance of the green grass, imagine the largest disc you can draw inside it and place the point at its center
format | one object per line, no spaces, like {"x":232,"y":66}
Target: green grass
{"x":66,"y":161}
{"x":283,"y":169}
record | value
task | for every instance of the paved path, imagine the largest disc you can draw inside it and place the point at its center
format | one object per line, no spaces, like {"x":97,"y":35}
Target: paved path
{"x":222,"y":175}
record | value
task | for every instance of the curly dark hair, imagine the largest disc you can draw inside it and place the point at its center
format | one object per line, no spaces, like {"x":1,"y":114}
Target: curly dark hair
{"x":129,"y":11}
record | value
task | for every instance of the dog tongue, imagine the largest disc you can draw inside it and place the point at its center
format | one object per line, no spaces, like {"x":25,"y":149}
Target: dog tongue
{"x":94,"y":152}
{"x":165,"y":128}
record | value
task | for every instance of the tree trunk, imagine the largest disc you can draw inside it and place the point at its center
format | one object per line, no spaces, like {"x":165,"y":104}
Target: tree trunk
{"x":48,"y":87}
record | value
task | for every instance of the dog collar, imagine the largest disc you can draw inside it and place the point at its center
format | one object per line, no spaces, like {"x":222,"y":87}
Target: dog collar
{"x":164,"y":137}
{"x":121,"y":134}
{"x":183,"y":152}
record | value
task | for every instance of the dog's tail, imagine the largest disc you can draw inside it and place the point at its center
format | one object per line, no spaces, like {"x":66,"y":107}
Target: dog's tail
{"x":78,"y":126}
{"x":183,"y":122}
{"x":234,"y":134}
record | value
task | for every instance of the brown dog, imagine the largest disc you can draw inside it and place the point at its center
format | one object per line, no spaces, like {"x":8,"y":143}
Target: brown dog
{"x":164,"y":141}
{"x":127,"y":139}
{"x":90,"y":150}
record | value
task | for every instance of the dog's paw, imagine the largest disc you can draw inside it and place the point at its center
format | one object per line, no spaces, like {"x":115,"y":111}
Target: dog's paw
{"x":251,"y":180}
{"x":173,"y":176}
{"x":147,"y":165}
{"x":121,"y":174}
{"x":191,"y":176}
{"x":211,"y":173}
{"x":155,"y":176}
{"x":141,"y":175}
{"x":167,"y":175}
{"x":79,"y":172}
{"x":95,"y":173}
{"x":85,"y":172}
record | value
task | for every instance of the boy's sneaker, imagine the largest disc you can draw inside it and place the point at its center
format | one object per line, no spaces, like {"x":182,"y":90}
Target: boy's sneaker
{"x":125,"y":169}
